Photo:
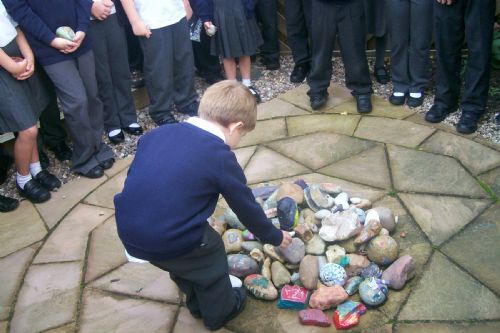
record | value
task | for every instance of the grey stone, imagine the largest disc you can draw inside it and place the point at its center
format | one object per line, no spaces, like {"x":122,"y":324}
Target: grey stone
{"x":265,"y":131}
{"x":316,"y":246}
{"x":250,"y":245}
{"x":277,"y":108}
{"x":492,"y":179}
{"x":309,"y":272}
{"x":335,"y":123}
{"x":294,"y":252}
{"x":103,"y":196}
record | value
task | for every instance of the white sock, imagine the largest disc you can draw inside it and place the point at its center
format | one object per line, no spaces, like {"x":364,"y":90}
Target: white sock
{"x":416,"y":95}
{"x":134,"y":125}
{"x":22,"y":180}
{"x":114,"y":132}
{"x":35,"y":168}
{"x":247,"y":82}
{"x":398,"y":94}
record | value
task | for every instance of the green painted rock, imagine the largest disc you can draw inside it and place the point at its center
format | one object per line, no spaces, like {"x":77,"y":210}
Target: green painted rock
{"x":66,"y":33}
{"x":260,"y":287}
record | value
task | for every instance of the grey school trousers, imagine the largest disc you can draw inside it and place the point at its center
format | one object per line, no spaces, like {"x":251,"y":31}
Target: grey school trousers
{"x":410,"y":30}
{"x":113,"y":73}
{"x":169,"y":69}
{"x":298,"y":19}
{"x":76,"y":88}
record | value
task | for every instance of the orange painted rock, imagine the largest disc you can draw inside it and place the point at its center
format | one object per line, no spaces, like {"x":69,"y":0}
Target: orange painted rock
{"x":327,"y":297}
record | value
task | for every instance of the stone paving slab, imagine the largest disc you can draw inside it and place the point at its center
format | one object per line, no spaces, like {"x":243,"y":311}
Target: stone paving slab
{"x":12,"y":269}
{"x":298,"y":96}
{"x":69,"y":241}
{"x":368,"y":167}
{"x":320,"y":149}
{"x":140,"y":280}
{"x":119,"y":166}
{"x":103,"y":312}
{"x":418,"y":171}
{"x":3,"y":327}
{"x":104,"y":195}
{"x":476,"y":157}
{"x":398,"y":132}
{"x":243,"y":155}
{"x":66,"y":198}
{"x":447,"y":293}
{"x":188,"y":324}
{"x":335,"y":123}
{"x":381,"y":108}
{"x":278,"y":108}
{"x":477,"y":248}
{"x":265,"y":130}
{"x":419,"y":119}
{"x":484,"y":327}
{"x":105,"y":251}
{"x":492,"y":179}
{"x":48,"y":297}
{"x":20,"y":228}
{"x":69,"y":328}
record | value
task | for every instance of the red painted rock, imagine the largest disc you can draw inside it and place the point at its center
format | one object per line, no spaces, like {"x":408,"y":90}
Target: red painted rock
{"x":399,"y":272}
{"x":314,"y":317}
{"x":293,"y":297}
{"x":347,"y":314}
{"x":327,"y":297}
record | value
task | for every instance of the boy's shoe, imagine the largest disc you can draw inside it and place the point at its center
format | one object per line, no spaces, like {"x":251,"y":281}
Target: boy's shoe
{"x":318,"y":101}
{"x":133,"y":130}
{"x":241,"y":299}
{"x":467,"y":123}
{"x":437,"y":114}
{"x":8,"y":204}
{"x":415,"y":102}
{"x":299,"y":73}
{"x":168,"y":120}
{"x":255,"y":93}
{"x":62,"y":151}
{"x":397,"y":100}
{"x":364,"y":103}
{"x":47,"y":180}
{"x":107,"y":164}
{"x":381,"y":75}
{"x":34,"y":191}
{"x":95,"y":172}
{"x":191,"y":109}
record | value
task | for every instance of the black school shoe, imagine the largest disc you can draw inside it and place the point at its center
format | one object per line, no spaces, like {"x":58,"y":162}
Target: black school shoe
{"x":133,"y":130}
{"x":241,"y":299}
{"x":107,"y":164}
{"x":364,"y":103}
{"x":8,"y":204}
{"x":34,"y":191}
{"x":48,"y":180}
{"x":168,"y":120}
{"x":95,"y":172}
{"x":191,"y":109}
{"x":437,"y":114}
{"x":318,"y":101}
{"x":397,"y":100}
{"x":381,"y":75}
{"x":62,"y":151}
{"x":415,"y":102}
{"x":255,"y":93}
{"x":467,"y":123}
{"x":299,"y":73}
{"x":116,"y":139}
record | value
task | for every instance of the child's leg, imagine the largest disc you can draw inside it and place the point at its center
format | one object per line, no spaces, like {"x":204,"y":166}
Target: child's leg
{"x":25,"y":150}
{"x":245,"y":69}
{"x":230,"y":68}
{"x":380,"y":43}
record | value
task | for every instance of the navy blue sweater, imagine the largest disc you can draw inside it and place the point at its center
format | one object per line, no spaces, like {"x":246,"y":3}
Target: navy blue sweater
{"x":172,"y":189}
{"x":39,"y":20}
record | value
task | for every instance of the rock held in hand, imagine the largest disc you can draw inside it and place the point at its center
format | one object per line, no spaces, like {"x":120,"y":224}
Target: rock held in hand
{"x":66,"y":33}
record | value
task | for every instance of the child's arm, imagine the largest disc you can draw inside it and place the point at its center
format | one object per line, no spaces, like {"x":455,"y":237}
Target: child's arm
{"x":11,"y":66}
{"x":101,"y":9}
{"x":189,"y":10}
{"x":25,"y":49}
{"x":138,"y":26}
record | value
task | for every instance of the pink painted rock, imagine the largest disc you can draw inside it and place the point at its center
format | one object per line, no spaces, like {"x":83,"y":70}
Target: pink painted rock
{"x":314,"y":317}
{"x":356,"y":264}
{"x":399,"y":272}
{"x":327,"y":297}
{"x":371,"y":229}
{"x":309,"y":272}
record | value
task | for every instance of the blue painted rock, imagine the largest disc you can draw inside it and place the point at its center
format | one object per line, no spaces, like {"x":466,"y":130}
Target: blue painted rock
{"x":288,"y":213}
{"x":333,"y":274}
{"x":241,"y":265}
{"x":291,"y":190}
{"x":294,"y":252}
{"x":260,"y":287}
{"x":327,"y":297}
{"x":399,"y":272}
{"x":373,"y":291}
{"x":372,"y":270}
{"x":352,"y":285}
{"x":382,"y":250}
{"x":66,"y":33}
{"x":309,"y":272}
{"x":386,"y":217}
{"x":263,"y":192}
{"x":361,"y":214}
{"x":232,"y":240}
{"x":314,"y":317}
{"x":293,"y":297}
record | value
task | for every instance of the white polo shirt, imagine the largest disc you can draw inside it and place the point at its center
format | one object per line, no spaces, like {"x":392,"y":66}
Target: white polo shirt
{"x":7,"y":27}
{"x":157,"y":14}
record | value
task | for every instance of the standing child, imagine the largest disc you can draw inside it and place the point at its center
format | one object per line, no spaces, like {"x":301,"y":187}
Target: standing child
{"x":22,"y":101}
{"x":237,"y":36}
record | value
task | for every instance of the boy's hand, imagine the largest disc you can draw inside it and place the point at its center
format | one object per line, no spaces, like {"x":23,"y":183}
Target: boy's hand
{"x":101,"y":9}
{"x":140,"y":29}
{"x":62,"y":44}
{"x":287,"y":239}
{"x":79,"y":36}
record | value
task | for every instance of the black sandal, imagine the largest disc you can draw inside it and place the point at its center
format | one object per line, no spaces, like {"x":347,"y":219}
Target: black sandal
{"x":381,"y":75}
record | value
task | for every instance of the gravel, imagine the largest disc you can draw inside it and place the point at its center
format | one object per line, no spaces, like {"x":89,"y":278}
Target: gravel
{"x":270,"y":85}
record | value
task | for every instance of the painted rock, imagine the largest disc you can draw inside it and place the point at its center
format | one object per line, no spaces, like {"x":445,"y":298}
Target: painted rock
{"x":309,"y":272}
{"x":266,"y":269}
{"x":270,"y":251}
{"x":294,"y":252}
{"x":66,"y":33}
{"x":288,"y":214}
{"x":314,"y":317}
{"x":260,"y":287}
{"x":264,"y":192}
{"x":355,"y":200}
{"x":387,"y":218}
{"x":330,"y":188}
{"x":327,"y":297}
{"x":382,"y":250}
{"x":321,"y":214}
{"x":293,"y":297}
{"x":321,"y":262}
{"x":352,"y":285}
{"x":399,"y":272}
{"x":315,"y":246}
{"x":361,"y":214}
{"x":247,"y":235}
{"x":241,"y":265}
{"x":333,"y":274}
{"x":373,"y":291}
{"x":257,"y":255}
{"x":302,"y":183}
{"x":291,"y":190}
{"x":249,"y":246}
{"x":342,"y":200}
{"x":232,"y":240}
{"x":232,"y":220}
{"x":334,"y":253}
{"x":303,"y":231}
{"x":371,"y":229}
{"x":347,"y":314}
{"x":317,"y":199}
{"x":340,"y":226}
{"x":280,"y":275}
{"x":372,"y":270}
{"x":356,"y":264}
{"x":365,"y":204}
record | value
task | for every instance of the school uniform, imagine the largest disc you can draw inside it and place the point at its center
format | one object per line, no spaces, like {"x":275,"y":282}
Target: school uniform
{"x":168,"y":57}
{"x":267,"y":16}
{"x":112,"y":72}
{"x":375,"y":17}
{"x":72,"y":74}
{"x":298,"y":20}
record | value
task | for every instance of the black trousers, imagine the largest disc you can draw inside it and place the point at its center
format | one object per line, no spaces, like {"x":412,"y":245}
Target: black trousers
{"x":203,"y":276}
{"x":134,"y":51}
{"x":346,"y":21}
{"x":267,"y":17}
{"x":474,"y":19}
{"x":298,"y":28}
{"x":206,"y":64}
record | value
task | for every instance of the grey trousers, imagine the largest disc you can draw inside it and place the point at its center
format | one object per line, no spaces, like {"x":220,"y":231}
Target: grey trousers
{"x":298,"y":19}
{"x":410,"y":30}
{"x":76,"y":88}
{"x":169,"y":69}
{"x":112,"y":73}
{"x":347,"y":21}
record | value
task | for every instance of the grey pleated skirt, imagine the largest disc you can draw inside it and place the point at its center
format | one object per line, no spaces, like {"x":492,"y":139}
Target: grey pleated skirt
{"x":21,"y":102}
{"x":375,"y":17}
{"x":236,"y":34}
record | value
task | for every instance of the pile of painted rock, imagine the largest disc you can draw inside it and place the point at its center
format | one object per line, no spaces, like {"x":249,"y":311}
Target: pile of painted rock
{"x":340,"y":246}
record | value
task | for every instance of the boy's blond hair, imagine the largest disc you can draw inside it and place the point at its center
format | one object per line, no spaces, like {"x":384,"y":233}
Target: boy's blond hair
{"x":228,"y":102}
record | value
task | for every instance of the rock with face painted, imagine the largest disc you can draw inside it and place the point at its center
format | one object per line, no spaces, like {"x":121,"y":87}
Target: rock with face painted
{"x":260,"y":287}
